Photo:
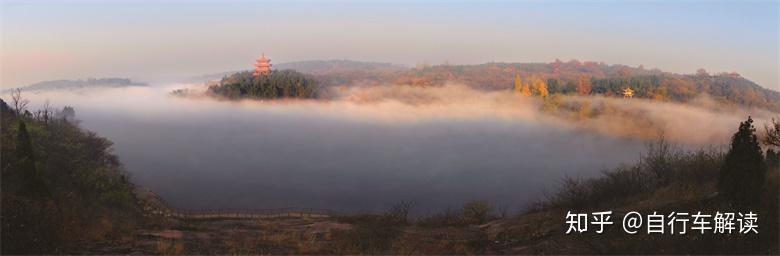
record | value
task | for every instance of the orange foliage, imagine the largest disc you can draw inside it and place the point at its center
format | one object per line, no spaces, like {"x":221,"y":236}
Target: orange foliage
{"x":583,"y":85}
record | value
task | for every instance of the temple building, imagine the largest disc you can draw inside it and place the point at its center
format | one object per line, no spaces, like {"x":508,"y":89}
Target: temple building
{"x":262,"y":66}
{"x":628,"y":93}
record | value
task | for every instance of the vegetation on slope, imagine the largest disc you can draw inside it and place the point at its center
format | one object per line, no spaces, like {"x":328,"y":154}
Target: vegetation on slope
{"x":667,"y":179}
{"x":336,"y":66}
{"x":276,"y":85}
{"x":572,"y":77}
{"x":62,"y":188}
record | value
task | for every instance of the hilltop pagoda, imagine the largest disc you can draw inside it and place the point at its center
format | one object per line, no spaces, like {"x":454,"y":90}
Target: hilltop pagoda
{"x":262,"y":66}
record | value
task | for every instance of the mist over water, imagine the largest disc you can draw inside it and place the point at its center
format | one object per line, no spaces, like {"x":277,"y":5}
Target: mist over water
{"x":347,"y":155}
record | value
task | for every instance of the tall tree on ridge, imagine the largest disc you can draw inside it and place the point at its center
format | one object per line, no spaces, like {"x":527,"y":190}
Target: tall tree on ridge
{"x":33,"y":185}
{"x":744,"y":171}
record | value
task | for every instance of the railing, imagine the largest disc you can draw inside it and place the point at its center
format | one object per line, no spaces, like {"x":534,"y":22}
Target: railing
{"x":292,"y":212}
{"x":251,"y":213}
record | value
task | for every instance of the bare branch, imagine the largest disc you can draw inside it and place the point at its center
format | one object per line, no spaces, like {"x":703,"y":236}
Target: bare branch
{"x":20,"y":104}
{"x":772,"y":133}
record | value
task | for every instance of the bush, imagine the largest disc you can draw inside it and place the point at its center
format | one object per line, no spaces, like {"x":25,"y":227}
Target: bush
{"x":370,"y":234}
{"x":446,"y":218}
{"x":663,"y":165}
{"x":477,"y":212}
{"x":399,"y":213}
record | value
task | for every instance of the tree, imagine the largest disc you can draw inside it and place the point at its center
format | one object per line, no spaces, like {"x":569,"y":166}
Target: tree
{"x":624,"y":71}
{"x":583,"y":85}
{"x":477,"y":211}
{"x":772,"y":133}
{"x":68,"y":113}
{"x":32,"y":181}
{"x":702,"y":73}
{"x":277,"y":84}
{"x":540,"y":87}
{"x":526,"y":89}
{"x":772,"y":158}
{"x":743,"y":172}
{"x":518,"y":88}
{"x":20,"y":104}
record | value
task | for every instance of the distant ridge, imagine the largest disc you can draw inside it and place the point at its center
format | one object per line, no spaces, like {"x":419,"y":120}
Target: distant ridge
{"x":570,"y":77}
{"x":592,"y":78}
{"x":314,"y":67}
{"x":328,"y":66}
{"x":89,"y":83}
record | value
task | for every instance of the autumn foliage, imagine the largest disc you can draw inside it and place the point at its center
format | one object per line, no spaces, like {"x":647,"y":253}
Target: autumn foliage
{"x":572,"y":77}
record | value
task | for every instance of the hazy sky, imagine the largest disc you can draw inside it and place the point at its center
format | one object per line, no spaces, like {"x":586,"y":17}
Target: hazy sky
{"x":151,"y":40}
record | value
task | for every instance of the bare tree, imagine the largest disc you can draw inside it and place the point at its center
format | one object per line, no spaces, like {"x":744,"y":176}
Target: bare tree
{"x":400,"y":212}
{"x":503,"y":211}
{"x":772,"y":133}
{"x":20,"y":104}
{"x":46,"y":112}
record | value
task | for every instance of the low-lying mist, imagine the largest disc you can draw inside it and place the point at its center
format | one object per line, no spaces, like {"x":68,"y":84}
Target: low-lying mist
{"x":367,"y":148}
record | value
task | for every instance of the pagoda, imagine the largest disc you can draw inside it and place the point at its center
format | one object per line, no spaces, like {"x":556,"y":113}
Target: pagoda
{"x":262,"y":66}
{"x":628,"y":93}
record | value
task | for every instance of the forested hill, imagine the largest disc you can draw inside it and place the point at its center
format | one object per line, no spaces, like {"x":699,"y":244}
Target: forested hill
{"x":349,"y":69}
{"x":575,"y":77}
{"x":335,"y":66}
{"x":558,"y":77}
{"x":276,"y":85}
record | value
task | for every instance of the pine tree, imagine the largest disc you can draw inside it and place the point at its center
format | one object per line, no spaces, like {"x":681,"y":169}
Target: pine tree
{"x":772,"y":133}
{"x":32,"y":181}
{"x":772,"y":158}
{"x":743,"y":172}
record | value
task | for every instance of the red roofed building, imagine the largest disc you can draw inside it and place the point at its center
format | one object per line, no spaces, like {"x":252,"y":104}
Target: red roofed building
{"x":262,"y":66}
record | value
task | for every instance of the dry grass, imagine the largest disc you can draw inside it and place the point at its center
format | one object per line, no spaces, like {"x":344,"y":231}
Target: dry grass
{"x":169,"y":247}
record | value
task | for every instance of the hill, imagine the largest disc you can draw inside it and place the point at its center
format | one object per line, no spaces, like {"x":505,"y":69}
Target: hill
{"x":277,"y":84}
{"x":558,"y":77}
{"x":322,"y":69}
{"x":573,"y":77}
{"x":336,"y":66}
{"x":81,"y":84}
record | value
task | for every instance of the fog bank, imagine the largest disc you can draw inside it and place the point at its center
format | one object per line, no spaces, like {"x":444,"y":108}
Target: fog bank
{"x":371,"y":147}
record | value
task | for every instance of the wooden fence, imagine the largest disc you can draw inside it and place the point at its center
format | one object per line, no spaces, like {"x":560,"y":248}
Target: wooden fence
{"x":250,"y":213}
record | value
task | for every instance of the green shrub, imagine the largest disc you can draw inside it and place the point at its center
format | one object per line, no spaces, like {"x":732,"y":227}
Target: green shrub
{"x":477,"y":212}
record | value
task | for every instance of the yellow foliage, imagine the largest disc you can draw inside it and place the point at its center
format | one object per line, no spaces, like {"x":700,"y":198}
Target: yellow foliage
{"x":518,"y":84}
{"x":521,"y":86}
{"x":540,"y":86}
{"x":526,"y":90}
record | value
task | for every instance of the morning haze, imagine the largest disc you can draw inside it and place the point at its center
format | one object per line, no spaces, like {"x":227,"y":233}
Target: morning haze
{"x":306,"y":127}
{"x":165,"y":41}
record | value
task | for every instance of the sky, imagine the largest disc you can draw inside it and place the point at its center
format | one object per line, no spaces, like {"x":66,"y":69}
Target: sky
{"x":162,"y":40}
